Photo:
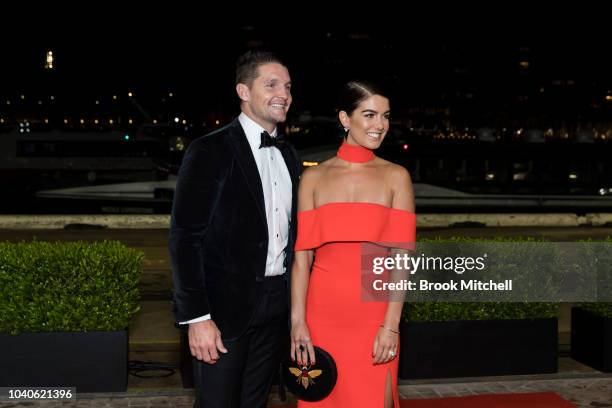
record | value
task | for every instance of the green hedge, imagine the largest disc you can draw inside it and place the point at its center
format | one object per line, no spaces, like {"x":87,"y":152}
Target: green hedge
{"x":430,"y":311}
{"x":601,"y":309}
{"x":440,"y":311}
{"x":604,"y":308}
{"x":73,"y":286}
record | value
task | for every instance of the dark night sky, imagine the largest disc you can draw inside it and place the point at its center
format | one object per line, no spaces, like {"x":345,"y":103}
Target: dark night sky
{"x":449,"y":69}
{"x":424,"y":59}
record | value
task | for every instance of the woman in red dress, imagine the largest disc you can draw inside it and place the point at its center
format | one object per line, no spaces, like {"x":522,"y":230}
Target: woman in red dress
{"x":349,"y":199}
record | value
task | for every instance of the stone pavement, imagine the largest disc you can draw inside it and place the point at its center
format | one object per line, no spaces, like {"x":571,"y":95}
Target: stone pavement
{"x":584,"y":392}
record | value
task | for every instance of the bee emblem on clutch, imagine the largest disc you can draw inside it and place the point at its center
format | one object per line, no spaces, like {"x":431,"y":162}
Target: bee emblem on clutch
{"x":305,"y":375}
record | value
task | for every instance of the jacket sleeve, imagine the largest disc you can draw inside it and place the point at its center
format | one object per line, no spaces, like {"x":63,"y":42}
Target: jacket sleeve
{"x":198,"y":188}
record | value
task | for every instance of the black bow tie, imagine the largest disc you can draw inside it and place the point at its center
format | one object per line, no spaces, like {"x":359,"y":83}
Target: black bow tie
{"x":269,"y":141}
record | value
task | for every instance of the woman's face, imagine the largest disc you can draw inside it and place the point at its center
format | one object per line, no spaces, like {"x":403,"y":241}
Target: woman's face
{"x":369,"y":123}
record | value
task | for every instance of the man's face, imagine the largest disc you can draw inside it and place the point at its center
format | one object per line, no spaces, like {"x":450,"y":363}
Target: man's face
{"x":268,"y":98}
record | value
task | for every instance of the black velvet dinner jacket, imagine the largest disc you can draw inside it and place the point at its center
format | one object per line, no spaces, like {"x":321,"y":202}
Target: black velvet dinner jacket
{"x":219,"y":234}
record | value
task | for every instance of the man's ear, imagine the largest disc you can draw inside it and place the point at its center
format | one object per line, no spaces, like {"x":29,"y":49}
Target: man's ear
{"x":344,"y":119}
{"x":243,"y":92}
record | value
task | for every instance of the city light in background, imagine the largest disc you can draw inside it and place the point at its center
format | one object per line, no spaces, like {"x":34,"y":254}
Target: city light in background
{"x":49,"y":60}
{"x":472,"y":113}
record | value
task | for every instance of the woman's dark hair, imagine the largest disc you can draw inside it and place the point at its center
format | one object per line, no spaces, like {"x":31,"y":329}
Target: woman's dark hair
{"x":355,"y":92}
{"x":248,"y":64}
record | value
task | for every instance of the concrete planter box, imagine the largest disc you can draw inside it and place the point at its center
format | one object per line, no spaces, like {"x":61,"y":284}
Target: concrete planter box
{"x":89,"y":361}
{"x":592,"y":339}
{"x":478,"y":348}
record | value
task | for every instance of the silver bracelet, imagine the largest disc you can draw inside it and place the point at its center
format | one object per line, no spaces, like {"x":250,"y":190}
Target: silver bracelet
{"x":391,"y":330}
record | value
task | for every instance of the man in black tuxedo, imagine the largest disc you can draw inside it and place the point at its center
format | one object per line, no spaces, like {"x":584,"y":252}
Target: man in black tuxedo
{"x":231,"y":241}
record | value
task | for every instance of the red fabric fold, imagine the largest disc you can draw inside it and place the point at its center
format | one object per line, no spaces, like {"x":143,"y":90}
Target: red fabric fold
{"x":355,"y":222}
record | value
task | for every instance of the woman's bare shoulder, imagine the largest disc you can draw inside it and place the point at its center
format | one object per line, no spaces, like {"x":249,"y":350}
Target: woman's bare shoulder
{"x":316,"y":171}
{"x":393,"y":170}
{"x":311,"y":174}
{"x":398,"y":173}
{"x":332,"y":161}
{"x":397,"y":177}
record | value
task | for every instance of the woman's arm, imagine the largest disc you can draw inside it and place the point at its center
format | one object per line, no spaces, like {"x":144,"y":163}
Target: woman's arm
{"x":301,"y":344}
{"x":388,"y":334}
{"x":300,"y":275}
{"x":403,"y":199}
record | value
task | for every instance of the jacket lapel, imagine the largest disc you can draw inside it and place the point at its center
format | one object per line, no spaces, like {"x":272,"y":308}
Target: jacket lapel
{"x":247,"y":164}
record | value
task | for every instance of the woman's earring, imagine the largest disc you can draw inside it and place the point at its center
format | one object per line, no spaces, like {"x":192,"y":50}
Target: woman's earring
{"x":346,"y":129}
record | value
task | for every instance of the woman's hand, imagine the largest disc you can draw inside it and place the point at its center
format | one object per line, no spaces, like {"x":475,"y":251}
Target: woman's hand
{"x":385,"y":345}
{"x":302,"y":349}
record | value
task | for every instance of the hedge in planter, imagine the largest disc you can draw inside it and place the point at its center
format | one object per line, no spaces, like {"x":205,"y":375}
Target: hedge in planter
{"x":592,"y":335}
{"x":64,"y":313}
{"x":478,"y":338}
{"x":591,"y":341}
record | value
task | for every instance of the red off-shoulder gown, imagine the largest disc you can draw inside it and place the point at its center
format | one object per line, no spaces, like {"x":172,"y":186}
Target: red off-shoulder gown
{"x":339,"y":320}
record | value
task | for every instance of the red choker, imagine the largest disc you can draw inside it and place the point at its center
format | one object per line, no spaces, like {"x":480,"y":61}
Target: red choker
{"x":354,"y":154}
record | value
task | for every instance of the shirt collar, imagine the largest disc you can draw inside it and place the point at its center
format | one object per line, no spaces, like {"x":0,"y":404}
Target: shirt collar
{"x":252,"y":130}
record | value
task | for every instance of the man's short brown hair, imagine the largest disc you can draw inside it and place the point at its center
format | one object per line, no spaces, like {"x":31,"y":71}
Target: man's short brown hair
{"x":247,"y":65}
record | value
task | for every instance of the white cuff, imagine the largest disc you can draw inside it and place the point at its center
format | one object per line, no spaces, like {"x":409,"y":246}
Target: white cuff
{"x":197,"y":319}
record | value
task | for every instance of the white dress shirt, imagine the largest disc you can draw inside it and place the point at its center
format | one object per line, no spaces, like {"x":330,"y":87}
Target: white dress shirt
{"x":276,"y":185}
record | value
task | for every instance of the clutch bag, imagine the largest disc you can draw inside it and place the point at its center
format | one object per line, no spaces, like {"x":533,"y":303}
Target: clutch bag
{"x":311,"y":382}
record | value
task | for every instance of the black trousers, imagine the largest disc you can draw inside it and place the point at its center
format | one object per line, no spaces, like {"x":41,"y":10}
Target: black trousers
{"x":242,"y":377}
